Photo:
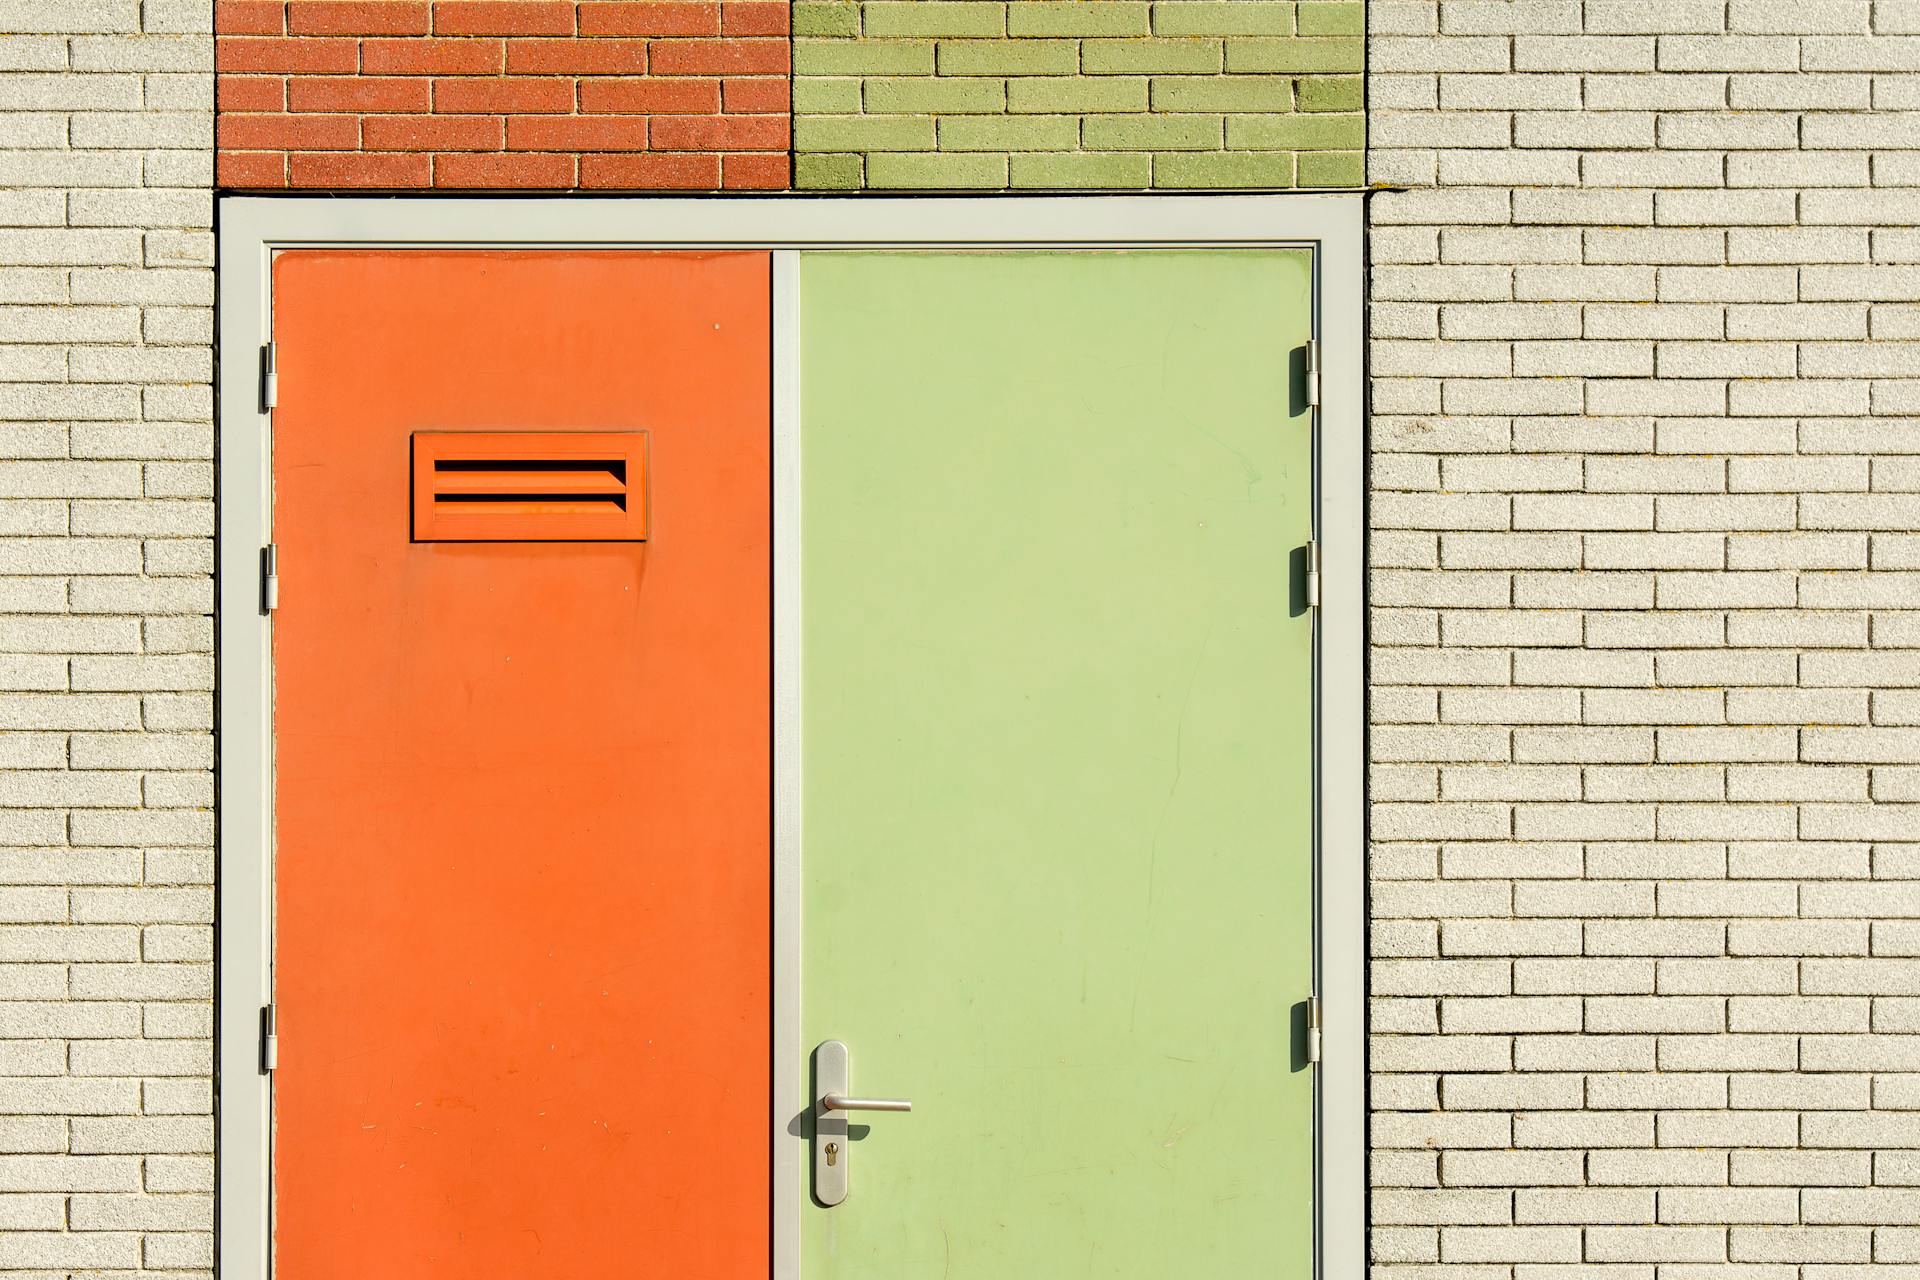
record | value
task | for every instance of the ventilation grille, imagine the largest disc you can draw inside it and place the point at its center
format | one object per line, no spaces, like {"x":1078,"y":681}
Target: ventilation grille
{"x":529,"y":486}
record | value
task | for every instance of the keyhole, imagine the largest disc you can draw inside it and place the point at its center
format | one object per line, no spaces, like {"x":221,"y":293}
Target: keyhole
{"x":833,"y":1152}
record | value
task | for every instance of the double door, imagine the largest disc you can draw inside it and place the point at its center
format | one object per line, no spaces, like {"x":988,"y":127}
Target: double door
{"x":682,"y":728}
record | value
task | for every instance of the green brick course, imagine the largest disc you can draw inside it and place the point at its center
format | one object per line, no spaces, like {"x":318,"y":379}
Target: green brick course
{"x":1078,"y":94}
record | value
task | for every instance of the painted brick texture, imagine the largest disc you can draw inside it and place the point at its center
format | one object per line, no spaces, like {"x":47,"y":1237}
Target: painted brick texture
{"x":1646,"y":664}
{"x":106,"y":522}
{"x":509,"y":94}
{"x":1036,"y":94}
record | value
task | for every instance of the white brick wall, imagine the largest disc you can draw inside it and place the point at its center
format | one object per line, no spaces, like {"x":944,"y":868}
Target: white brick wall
{"x":106,"y":518}
{"x":1646,"y":555}
{"x":1646,"y":678}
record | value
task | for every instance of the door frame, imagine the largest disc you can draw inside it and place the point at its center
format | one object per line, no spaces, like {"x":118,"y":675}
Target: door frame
{"x":250,"y":229}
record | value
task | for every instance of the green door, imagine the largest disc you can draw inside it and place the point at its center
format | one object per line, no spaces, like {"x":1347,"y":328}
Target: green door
{"x":1057,"y":760}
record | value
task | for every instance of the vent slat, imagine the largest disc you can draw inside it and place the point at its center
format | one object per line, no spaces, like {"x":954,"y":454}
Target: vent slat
{"x":524,"y":481}
{"x":475,"y":486}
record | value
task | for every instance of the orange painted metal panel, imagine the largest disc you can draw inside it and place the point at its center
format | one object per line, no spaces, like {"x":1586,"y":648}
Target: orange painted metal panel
{"x":529,"y":486}
{"x":522,"y":788}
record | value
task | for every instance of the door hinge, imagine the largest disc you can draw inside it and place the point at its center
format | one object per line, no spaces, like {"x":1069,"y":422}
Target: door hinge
{"x":269,"y":380}
{"x":269,"y":1041}
{"x":1313,"y":371}
{"x":269,"y":578}
{"x":1313,"y":574}
{"x":1313,"y":1028}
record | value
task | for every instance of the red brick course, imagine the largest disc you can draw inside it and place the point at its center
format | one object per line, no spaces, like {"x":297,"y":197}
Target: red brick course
{"x":503,"y":94}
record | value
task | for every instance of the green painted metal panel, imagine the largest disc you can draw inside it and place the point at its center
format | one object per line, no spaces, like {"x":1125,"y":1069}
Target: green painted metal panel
{"x":1057,"y":759}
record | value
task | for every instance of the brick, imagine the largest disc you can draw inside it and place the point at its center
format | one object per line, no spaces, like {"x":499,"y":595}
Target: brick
{"x":358,"y":17}
{"x":1008,"y":133}
{"x":1503,"y":1168}
{"x":866,"y":57}
{"x":360,"y":170}
{"x":1668,"y":1091}
{"x":576,"y":133}
{"x":1415,"y":1207}
{"x":291,"y":132}
{"x":1108,"y":18}
{"x":933,"y":18}
{"x":815,"y":18}
{"x":250,"y":17}
{"x":1591,"y":1205}
{"x":1144,"y":57}
{"x":764,"y":172}
{"x":1511,"y":937}
{"x":479,"y":170}
{"x":842,"y":95}
{"x":919,"y":95}
{"x":1510,"y":1014}
{"x":605,"y":56}
{"x":1797,"y":1013}
{"x":1235,"y":93}
{"x":1798,"y":1244}
{"x":1861,"y":1053}
{"x":252,"y":170}
{"x":864,"y":133}
{"x":433,"y":133}
{"x":1655,"y":1244}
{"x":650,"y":171}
{"x":159,"y":1135}
{"x":650,"y":96}
{"x":287,"y":55}
{"x":601,"y":18}
{"x":1230,"y":169}
{"x":1454,"y":1131}
{"x":1583,"y":744}
{"x":1003,"y":58}
{"x":89,"y":1250}
{"x":429,"y":57}
{"x":516,"y":95}
{"x":1510,"y":1244}
{"x":1224,"y":17}
{"x":1529,"y":167}
{"x":1583,"y":1129}
{"x":936,"y":172}
{"x":1584,"y":1053}
{"x":1656,"y":938}
{"x":1507,"y":1092}
{"x":1297,"y":56}
{"x":142,"y":1213}
{"x":719,"y":133}
{"x":1063,"y":94}
{"x":1047,"y":171}
{"x":755,"y":18}
{"x":514,"y":17}
{"x":721,"y":58}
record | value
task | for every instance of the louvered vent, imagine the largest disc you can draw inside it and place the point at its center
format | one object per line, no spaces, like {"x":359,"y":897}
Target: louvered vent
{"x":529,"y":486}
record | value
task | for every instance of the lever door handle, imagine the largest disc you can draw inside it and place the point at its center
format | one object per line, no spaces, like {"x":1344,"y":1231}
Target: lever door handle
{"x":832,"y":1099}
{"x":840,"y":1102}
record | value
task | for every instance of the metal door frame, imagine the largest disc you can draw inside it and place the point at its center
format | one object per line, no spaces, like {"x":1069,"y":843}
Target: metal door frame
{"x":251,"y":228}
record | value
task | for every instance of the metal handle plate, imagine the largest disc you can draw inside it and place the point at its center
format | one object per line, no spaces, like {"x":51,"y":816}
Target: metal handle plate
{"x":832,"y":1101}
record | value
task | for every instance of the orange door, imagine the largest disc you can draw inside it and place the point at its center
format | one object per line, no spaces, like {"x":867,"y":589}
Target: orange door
{"x":521,"y":784}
